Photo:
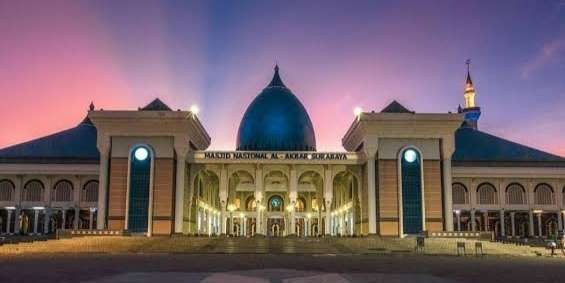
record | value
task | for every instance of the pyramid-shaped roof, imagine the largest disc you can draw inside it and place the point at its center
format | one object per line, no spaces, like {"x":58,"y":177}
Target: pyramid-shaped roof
{"x":395,"y":107}
{"x":480,"y":148}
{"x":156,"y":105}
{"x":75,"y":145}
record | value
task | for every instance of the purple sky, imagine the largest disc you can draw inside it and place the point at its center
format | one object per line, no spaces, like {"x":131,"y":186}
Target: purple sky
{"x":57,"y":56}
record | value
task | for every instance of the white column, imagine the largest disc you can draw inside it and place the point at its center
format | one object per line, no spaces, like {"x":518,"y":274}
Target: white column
{"x":293,"y":195}
{"x":76,"y":220}
{"x":64,"y":223}
{"x":35,"y":220}
{"x":8,"y":221}
{"x":46,"y":218}
{"x":223,"y":218}
{"x":328,"y":196}
{"x":90,"y":218}
{"x":513,"y":223}
{"x":244,"y":219}
{"x":179,"y":191}
{"x":531,"y":226}
{"x":17,"y":221}
{"x":372,"y":187}
{"x":485,"y":220}
{"x":102,"y":189}
{"x":502,"y":223}
{"x":473,"y":221}
{"x":447,"y":194}
{"x":539,"y":225}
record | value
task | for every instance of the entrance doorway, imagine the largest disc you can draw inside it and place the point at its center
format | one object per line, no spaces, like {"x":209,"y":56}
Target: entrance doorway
{"x":275,"y":227}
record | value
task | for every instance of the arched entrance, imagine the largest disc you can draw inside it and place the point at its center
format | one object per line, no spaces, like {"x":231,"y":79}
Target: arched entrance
{"x":139,"y":186}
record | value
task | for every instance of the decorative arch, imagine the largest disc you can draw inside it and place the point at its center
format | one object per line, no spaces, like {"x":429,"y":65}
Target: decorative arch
{"x":33,"y":191}
{"x":515,"y":194}
{"x":300,"y":205}
{"x":543,"y":194}
{"x":62,"y":191}
{"x":486,"y":194}
{"x":90,"y":191}
{"x":7,"y":190}
{"x":460,"y":193}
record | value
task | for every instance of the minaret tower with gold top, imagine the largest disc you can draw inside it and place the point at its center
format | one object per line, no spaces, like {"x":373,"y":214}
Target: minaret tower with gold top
{"x":471,"y":110}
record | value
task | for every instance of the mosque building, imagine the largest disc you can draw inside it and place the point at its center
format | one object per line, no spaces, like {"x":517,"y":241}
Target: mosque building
{"x":148,"y":171}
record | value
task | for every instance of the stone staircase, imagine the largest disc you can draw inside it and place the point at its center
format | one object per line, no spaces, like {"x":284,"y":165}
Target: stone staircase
{"x":273,"y":246}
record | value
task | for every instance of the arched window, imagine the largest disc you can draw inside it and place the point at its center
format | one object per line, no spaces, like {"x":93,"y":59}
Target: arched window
{"x":486,"y":194}
{"x":62,"y":191}
{"x":90,"y":191}
{"x":6,"y":190}
{"x":300,"y":205}
{"x":33,"y":191}
{"x":460,"y":195}
{"x":314,"y":204}
{"x":411,"y":191}
{"x":250,"y":204}
{"x":515,"y":194}
{"x":544,"y":194}
{"x":276,"y":203}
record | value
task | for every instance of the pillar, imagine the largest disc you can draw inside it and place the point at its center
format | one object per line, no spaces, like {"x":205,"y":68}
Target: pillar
{"x":8,"y":221}
{"x":531,"y":223}
{"x":328,"y":196}
{"x":328,"y":220}
{"x":244,"y":233}
{"x":102,"y":189}
{"x":46,"y":218}
{"x":473,"y":221}
{"x":90,"y":219}
{"x":539,"y":225}
{"x":64,"y":223}
{"x":35,"y":220}
{"x":179,"y":190}
{"x":447,"y":194}
{"x":76,"y":220}
{"x":17,"y":221}
{"x":223,"y":218}
{"x":372,"y":193}
{"x":293,"y":195}
{"x":259,"y":226}
{"x":502,"y":224}
{"x":513,"y":223}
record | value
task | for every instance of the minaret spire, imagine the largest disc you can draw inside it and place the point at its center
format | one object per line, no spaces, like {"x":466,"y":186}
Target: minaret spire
{"x":471,"y":110}
{"x":276,"y":81}
{"x":469,"y":88}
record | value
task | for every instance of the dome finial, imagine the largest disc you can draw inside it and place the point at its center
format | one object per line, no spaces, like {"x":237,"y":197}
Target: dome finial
{"x":276,"y":81}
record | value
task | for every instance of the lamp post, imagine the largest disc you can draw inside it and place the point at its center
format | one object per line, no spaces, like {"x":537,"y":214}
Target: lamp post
{"x":231,"y":209}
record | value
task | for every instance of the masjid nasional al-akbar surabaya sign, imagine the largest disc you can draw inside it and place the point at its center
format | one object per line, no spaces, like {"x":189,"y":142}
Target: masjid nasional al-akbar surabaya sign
{"x":268,"y":155}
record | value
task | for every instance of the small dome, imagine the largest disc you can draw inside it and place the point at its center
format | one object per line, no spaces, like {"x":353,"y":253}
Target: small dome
{"x":276,"y":121}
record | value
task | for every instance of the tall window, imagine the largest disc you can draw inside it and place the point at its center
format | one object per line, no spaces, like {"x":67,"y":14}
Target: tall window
{"x":6,"y":190}
{"x":460,"y":195}
{"x":140,"y":174}
{"x":515,"y":194}
{"x":33,"y":191}
{"x":411,"y":191}
{"x":544,"y":194}
{"x":486,"y":194}
{"x":62,"y":191}
{"x":250,"y":204}
{"x":300,"y":205}
{"x":90,"y":191}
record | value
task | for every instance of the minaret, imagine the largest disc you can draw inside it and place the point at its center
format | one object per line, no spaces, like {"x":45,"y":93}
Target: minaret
{"x":472,"y":112}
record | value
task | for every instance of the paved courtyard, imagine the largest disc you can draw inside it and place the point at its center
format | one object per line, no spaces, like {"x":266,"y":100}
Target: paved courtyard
{"x":277,"y":268}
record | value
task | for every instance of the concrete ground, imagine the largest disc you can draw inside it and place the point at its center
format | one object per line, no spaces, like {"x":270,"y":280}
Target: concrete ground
{"x":277,"y":268}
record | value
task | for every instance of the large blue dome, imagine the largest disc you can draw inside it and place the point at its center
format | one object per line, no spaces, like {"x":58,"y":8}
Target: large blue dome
{"x":276,"y":121}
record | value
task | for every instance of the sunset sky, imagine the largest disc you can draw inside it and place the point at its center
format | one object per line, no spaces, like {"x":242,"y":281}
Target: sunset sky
{"x":58,"y":56}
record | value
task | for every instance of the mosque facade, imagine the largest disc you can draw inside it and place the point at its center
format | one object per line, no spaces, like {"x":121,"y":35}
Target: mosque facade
{"x":148,"y":172}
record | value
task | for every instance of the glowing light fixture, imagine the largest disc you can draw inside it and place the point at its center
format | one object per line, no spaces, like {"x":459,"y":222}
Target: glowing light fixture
{"x":141,"y":153}
{"x":410,"y":155}
{"x":231,"y":207}
{"x":194,"y":109}
{"x":357,"y":111}
{"x":10,"y":207}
